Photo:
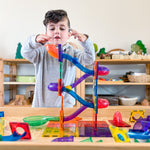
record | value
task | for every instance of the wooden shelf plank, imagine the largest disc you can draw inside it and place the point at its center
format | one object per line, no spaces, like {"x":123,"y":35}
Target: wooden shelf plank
{"x":6,"y":105}
{"x":17,"y":61}
{"x":19,"y":83}
{"x":123,"y":61}
{"x":116,"y":83}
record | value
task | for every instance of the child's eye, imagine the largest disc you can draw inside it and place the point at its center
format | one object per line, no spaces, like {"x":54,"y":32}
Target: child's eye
{"x":52,"y":29}
{"x":62,"y":28}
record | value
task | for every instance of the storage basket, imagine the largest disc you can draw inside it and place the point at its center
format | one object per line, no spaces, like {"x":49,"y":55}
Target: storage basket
{"x":139,"y":79}
{"x":128,"y":101}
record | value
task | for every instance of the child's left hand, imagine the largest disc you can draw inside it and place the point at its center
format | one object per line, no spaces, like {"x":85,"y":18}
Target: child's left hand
{"x":81,"y":37}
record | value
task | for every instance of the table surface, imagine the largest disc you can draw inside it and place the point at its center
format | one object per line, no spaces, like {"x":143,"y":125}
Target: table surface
{"x":16,"y":114}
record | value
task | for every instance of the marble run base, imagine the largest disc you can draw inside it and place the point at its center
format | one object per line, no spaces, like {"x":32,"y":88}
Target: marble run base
{"x":86,"y":129}
{"x":53,"y":129}
{"x":77,"y":129}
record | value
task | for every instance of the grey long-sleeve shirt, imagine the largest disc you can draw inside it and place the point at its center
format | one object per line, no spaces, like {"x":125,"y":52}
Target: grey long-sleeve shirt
{"x":47,"y":70}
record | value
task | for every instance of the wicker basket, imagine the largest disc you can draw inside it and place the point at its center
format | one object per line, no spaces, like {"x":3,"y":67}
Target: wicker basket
{"x":139,"y":79}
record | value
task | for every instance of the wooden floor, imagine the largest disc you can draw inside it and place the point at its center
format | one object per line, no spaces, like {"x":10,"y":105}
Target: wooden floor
{"x":44,"y":143}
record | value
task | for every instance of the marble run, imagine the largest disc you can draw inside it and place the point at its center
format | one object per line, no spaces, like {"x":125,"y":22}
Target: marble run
{"x":96,"y":103}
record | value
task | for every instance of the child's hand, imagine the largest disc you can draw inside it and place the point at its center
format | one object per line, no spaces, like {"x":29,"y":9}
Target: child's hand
{"x":81,"y":37}
{"x":42,"y":38}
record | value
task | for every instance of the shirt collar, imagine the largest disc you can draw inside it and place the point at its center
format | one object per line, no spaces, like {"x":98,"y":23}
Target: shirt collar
{"x":65,"y":46}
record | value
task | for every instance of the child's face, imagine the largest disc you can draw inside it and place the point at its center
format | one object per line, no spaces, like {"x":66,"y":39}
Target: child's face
{"x":58,"y":32}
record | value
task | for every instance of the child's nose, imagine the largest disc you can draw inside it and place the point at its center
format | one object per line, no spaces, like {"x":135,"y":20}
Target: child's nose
{"x":57,"y":30}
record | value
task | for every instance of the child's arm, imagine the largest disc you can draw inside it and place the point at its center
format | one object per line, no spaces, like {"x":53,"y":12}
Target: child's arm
{"x":33,"y":46}
{"x":81,"y":37}
{"x":42,"y":38}
{"x":86,"y":57}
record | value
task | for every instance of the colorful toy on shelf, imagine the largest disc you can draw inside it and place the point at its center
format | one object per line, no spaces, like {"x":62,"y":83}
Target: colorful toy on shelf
{"x":102,"y":79}
{"x":142,"y":46}
{"x":101,"y":51}
{"x":138,"y":48}
{"x":103,"y":71}
{"x":18,"y":52}
{"x":95,"y":47}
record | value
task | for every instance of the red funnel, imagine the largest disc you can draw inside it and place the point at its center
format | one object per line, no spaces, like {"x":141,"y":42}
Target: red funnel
{"x":52,"y":50}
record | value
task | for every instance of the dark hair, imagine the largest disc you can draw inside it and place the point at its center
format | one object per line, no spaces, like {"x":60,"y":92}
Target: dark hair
{"x":55,"y":16}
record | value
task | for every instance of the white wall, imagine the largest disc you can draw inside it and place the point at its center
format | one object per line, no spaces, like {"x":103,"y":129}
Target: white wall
{"x":110,"y":23}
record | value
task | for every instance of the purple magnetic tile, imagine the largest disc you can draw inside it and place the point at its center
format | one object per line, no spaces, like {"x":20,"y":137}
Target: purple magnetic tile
{"x":64,"y":139}
{"x":89,"y":132}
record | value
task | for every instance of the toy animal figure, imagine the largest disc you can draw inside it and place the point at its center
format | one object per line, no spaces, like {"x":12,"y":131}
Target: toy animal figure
{"x":20,"y":100}
{"x":18,"y":52}
{"x":145,"y":102}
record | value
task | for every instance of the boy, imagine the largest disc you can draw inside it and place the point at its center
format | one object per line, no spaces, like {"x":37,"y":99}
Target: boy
{"x":46,"y":67}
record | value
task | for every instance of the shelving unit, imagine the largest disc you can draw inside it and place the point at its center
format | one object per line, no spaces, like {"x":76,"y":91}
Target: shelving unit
{"x":119,"y":62}
{"x":12,"y":63}
{"x":80,"y":89}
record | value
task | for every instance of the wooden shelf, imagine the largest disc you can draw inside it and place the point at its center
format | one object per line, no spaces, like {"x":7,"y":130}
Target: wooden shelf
{"x":16,"y":61}
{"x":19,"y":83}
{"x":123,"y":61}
{"x":116,"y":83}
{"x":17,"y":105}
{"x":12,"y":73}
{"x":80,"y":89}
{"x":145,"y":62}
{"x":12,"y":63}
